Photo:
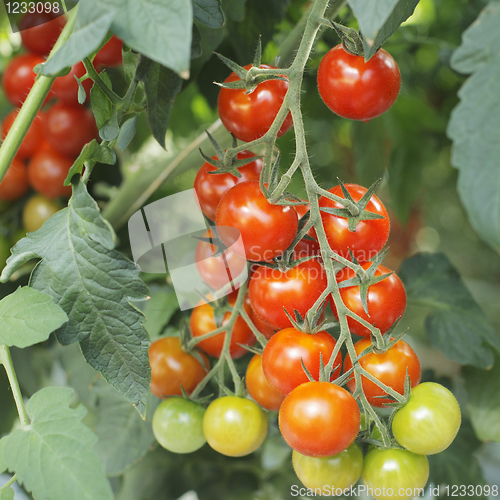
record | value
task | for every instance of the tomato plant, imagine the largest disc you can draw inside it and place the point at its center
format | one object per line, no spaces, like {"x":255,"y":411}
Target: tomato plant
{"x":234,"y":426}
{"x":40,"y":31}
{"x":429,"y":422}
{"x":173,"y":368}
{"x":36,"y":211}
{"x":319,"y":405}
{"x":178,"y":425}
{"x":15,"y":183}
{"x":355,"y":89}
{"x":65,"y":87}
{"x":286,"y":351}
{"x":248,"y":116}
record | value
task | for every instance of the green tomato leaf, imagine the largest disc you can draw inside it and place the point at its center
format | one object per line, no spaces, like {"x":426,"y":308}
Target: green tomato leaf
{"x":3,"y":464}
{"x":56,"y":445}
{"x":104,"y":111}
{"x":161,"y":86}
{"x":456,"y":325}
{"x":159,"y":309}
{"x":92,"y":151}
{"x":28,"y":317}
{"x":127,"y":132}
{"x":95,"y":286}
{"x":474,"y":126}
{"x":235,"y":9}
{"x":483,"y":389}
{"x":208,"y":12}
{"x":7,"y":494}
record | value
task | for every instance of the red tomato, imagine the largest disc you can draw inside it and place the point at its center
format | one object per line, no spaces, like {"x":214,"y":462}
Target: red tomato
{"x":40,"y":31}
{"x":47,"y":171}
{"x":110,"y":54}
{"x":389,"y":367}
{"x":69,"y":128}
{"x":357,"y":90}
{"x":298,"y":288}
{"x":202,"y":321}
{"x":18,"y":77}
{"x":319,"y":419}
{"x":249,"y":116}
{"x":15,"y":182}
{"x":211,"y":187}
{"x":219,"y":270}
{"x":267,"y":330}
{"x":306,"y":248}
{"x":266,"y":230}
{"x":370,"y":235}
{"x":171,"y":368}
{"x":386,"y":300}
{"x":259,"y":388}
{"x":31,"y":140}
{"x":65,"y":87}
{"x":281,"y":359}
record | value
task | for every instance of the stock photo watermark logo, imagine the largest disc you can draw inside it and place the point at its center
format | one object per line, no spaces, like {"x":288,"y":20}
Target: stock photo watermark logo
{"x":172,"y":236}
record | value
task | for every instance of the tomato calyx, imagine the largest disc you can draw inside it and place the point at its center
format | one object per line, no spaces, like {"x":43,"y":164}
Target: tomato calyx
{"x":306,"y":325}
{"x":352,"y":41}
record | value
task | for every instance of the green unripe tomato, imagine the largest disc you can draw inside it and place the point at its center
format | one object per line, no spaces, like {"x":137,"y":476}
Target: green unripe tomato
{"x":178,"y":425}
{"x":429,"y":422}
{"x":329,"y":474}
{"x":394,"y":474}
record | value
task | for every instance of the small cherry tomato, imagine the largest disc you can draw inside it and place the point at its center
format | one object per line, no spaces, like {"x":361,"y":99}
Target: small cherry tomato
{"x":306,"y":248}
{"x":234,"y":426}
{"x":259,"y":388}
{"x":272,"y":290}
{"x":172,"y":367}
{"x":249,"y":116}
{"x":394,"y":473}
{"x":36,"y":211}
{"x":388,"y":367}
{"x":202,"y":321}
{"x":15,"y":183}
{"x":65,"y":88}
{"x":267,"y":330}
{"x":31,"y":140}
{"x":429,"y":421}
{"x":355,"y":89}
{"x":266,"y":230}
{"x":210,"y":188}
{"x":110,"y":54}
{"x":370,"y":235}
{"x":319,"y":419}
{"x":178,"y":425}
{"x":40,"y":31}
{"x":286,"y":351}
{"x":386,"y":300}
{"x":330,"y":475}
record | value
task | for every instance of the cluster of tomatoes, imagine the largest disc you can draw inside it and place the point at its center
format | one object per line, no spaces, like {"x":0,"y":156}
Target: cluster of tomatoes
{"x":59,"y":131}
{"x":320,"y":420}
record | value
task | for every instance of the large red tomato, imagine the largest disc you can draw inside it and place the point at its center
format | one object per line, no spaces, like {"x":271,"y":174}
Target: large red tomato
{"x":283,"y":354}
{"x":31,"y":140}
{"x":386,"y":300}
{"x":259,"y":388}
{"x":249,"y":116}
{"x":298,"y":288}
{"x":266,"y":230}
{"x":15,"y":182}
{"x":40,"y":31}
{"x":355,"y":89}
{"x":319,"y":419}
{"x":388,"y":367}
{"x":110,"y":54}
{"x":211,"y":187}
{"x":370,"y":235}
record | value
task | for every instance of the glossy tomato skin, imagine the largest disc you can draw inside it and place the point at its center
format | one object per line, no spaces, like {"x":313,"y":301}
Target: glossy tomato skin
{"x":298,"y":288}
{"x":370,"y":235}
{"x":429,"y":422}
{"x":31,"y":140}
{"x":386,"y":300}
{"x":69,"y":128}
{"x":267,"y":330}
{"x":178,"y":425}
{"x":388,"y":367}
{"x":110,"y":54}
{"x":266,"y":230}
{"x":40,"y":31}
{"x":18,"y":77}
{"x":389,"y":473}
{"x":202,"y":321}
{"x":15,"y":183}
{"x":47,"y":171}
{"x":319,"y":419}
{"x":329,"y":474}
{"x":234,"y":426}
{"x":357,"y":90}
{"x":249,"y":116}
{"x":36,"y":211}
{"x":281,"y":359}
{"x":172,"y":367}
{"x":210,"y":188}
{"x":65,"y":88}
{"x":259,"y":388}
